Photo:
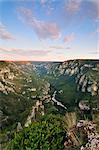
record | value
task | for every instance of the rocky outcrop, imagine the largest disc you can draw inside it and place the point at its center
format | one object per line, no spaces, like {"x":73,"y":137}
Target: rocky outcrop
{"x":85,"y":74}
{"x":82,"y":136}
{"x":37,"y":108}
{"x":83,"y":106}
{"x":93,"y":137}
{"x":19,"y":127}
{"x":86,"y":84}
{"x":8,"y":73}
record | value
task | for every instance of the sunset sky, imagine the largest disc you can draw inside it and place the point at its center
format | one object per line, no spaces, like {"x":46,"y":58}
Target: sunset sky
{"x":49,"y":30}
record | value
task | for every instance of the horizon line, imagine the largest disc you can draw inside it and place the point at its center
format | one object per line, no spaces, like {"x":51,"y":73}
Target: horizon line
{"x":48,"y":60}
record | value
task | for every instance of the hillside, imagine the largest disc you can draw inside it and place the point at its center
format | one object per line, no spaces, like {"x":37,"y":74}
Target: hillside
{"x":32,"y":92}
{"x":18,"y":91}
{"x":75,"y":81}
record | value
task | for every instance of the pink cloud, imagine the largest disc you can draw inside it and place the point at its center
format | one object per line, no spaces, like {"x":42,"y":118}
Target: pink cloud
{"x":69,"y":38}
{"x":4,"y":34}
{"x":97,"y":30}
{"x":59,"y":47}
{"x":43,"y":29}
{"x":93,"y":11}
{"x":43,"y":1}
{"x":13,"y":54}
{"x":23,"y":52}
{"x":73,"y":6}
{"x":88,"y":7}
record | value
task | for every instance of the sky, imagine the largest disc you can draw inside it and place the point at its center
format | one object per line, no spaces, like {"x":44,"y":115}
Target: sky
{"x":49,"y":30}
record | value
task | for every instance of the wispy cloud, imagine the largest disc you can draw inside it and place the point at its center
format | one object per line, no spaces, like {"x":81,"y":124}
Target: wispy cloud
{"x":43,"y":1}
{"x":69,"y":38}
{"x":58,"y":47}
{"x":97,"y":30}
{"x":92,"y":10}
{"x":43,"y":29}
{"x":83,"y":8}
{"x":24,"y":52}
{"x":4,"y":34}
{"x":73,"y":6}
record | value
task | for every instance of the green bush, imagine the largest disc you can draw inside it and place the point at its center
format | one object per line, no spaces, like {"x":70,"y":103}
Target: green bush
{"x":48,"y":134}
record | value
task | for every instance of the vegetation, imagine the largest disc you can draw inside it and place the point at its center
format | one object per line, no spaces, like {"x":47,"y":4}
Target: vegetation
{"x":46,"y":134}
{"x":58,"y":125}
{"x":16,"y":105}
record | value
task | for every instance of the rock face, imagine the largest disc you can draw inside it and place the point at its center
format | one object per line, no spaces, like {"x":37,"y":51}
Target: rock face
{"x":87,"y":134}
{"x":19,"y":127}
{"x":37,"y":108}
{"x":93,"y":137}
{"x":85,"y":73}
{"x":19,"y":89}
{"x":8,"y":73}
{"x":83,"y":105}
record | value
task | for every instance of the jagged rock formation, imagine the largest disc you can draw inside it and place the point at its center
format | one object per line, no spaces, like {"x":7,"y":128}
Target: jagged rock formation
{"x":83,"y":105}
{"x":85,"y":73}
{"x":18,"y":90}
{"x":9,"y":72}
{"x":19,"y":127}
{"x":92,"y":136}
{"x":81,"y":135}
{"x":38,"y":107}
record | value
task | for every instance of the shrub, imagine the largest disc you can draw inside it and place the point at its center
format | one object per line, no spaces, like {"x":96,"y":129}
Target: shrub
{"x":48,"y":134}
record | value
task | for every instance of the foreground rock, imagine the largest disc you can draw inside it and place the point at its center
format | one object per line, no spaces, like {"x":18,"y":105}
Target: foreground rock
{"x":93,"y":137}
{"x":82,"y":136}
